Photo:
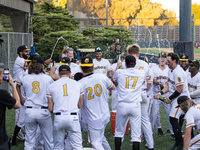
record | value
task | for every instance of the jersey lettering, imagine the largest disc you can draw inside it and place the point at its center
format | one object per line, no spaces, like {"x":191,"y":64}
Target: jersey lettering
{"x":134,"y":82}
{"x":65,"y":89}
{"x":97,"y":86}
{"x":141,"y":68}
{"x":35,"y":86}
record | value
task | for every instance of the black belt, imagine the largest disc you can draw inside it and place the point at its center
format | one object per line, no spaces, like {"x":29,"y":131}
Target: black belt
{"x":73,"y":113}
{"x":38,"y":107}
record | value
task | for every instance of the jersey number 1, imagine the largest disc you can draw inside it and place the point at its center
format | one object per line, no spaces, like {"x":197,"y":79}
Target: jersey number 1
{"x":65,"y":89}
{"x":134,"y":83}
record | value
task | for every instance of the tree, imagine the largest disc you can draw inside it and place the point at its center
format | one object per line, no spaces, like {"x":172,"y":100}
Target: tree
{"x":196,"y":12}
{"x":124,"y":12}
{"x":48,"y":18}
{"x":61,"y":3}
{"x":89,"y":38}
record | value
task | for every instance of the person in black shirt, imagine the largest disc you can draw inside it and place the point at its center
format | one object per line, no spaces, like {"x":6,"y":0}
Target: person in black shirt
{"x":6,"y":100}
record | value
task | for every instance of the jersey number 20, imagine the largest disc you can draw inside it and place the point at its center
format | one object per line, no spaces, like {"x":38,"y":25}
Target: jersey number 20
{"x":129,"y":79}
{"x":90,"y":96}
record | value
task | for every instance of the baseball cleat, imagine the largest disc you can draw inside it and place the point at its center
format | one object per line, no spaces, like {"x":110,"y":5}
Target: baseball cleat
{"x":172,"y":137}
{"x":168,"y":131}
{"x":173,"y":147}
{"x":160,"y":132}
{"x":146,"y":145}
{"x":20,"y":136}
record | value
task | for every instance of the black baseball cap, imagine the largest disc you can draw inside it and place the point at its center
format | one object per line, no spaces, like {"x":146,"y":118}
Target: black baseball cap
{"x":98,"y":49}
{"x":38,"y":59}
{"x":30,"y":57}
{"x":22,"y":48}
{"x":162,"y":54}
{"x":130,"y":60}
{"x":64,"y":68}
{"x":87,"y":61}
{"x":183,"y":57}
{"x":65,"y":61}
{"x":123,"y":54}
{"x":181,"y":99}
{"x":78,"y":76}
{"x":195,"y":63}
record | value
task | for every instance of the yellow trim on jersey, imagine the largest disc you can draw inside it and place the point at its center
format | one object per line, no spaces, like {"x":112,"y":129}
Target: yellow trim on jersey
{"x":17,"y":81}
{"x":180,"y":83}
{"x":81,"y":92}
{"x":198,"y":86}
{"x":49,"y":94}
{"x":110,"y":86}
{"x":189,"y":124}
{"x":194,"y":142}
{"x":149,"y":105}
{"x":87,"y":65}
{"x":176,"y":112}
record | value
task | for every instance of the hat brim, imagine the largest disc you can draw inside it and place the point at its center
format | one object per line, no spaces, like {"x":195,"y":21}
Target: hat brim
{"x":87,"y":65}
{"x":63,"y":63}
{"x":26,"y":50}
{"x":27,"y":60}
{"x":183,"y":59}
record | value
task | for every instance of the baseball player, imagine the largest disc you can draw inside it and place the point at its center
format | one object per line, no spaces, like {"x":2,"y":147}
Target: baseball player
{"x":160,"y":79}
{"x":101,"y":65}
{"x":192,"y":119}
{"x":20,"y":122}
{"x":184,"y":62}
{"x":64,"y":104}
{"x":194,"y":80}
{"x":134,"y":50}
{"x":95,"y":104}
{"x":176,"y":86}
{"x":130,"y":82}
{"x":35,"y":85}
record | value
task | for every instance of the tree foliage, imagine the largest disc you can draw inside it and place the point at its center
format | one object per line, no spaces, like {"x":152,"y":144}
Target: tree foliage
{"x":196,"y":12}
{"x":129,"y":12}
{"x":88,"y":38}
{"x":61,"y":3}
{"x":48,"y":18}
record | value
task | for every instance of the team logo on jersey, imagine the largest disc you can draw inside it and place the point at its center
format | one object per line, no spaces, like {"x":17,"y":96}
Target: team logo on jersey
{"x":86,"y":60}
{"x":179,"y":79}
{"x":198,"y":107}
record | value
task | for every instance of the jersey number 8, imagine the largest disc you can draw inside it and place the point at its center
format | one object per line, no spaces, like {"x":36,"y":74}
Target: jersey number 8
{"x":35,"y":86}
{"x":90,"y":96}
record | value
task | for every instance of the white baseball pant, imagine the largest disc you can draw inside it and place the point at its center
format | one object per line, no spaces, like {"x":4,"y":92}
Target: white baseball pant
{"x":145,"y":122}
{"x":70,"y":122}
{"x":42,"y":117}
{"x":126,"y":112}
{"x":194,"y":143}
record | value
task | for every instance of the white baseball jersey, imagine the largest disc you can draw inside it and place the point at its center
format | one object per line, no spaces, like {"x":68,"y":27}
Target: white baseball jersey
{"x":192,"y":117}
{"x":19,"y":82}
{"x":73,"y":67}
{"x":129,"y":84}
{"x":161,"y":76}
{"x":175,"y":78}
{"x":194,"y":84}
{"x":150,"y":80}
{"x":66,"y":94}
{"x":95,"y":101}
{"x":18,"y":67}
{"x":101,"y":67}
{"x":35,"y":88}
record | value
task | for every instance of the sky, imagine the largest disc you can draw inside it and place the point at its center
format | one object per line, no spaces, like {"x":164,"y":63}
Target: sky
{"x":172,"y":4}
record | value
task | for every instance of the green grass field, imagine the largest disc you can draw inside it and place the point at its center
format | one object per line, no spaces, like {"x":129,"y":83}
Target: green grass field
{"x":161,"y":143}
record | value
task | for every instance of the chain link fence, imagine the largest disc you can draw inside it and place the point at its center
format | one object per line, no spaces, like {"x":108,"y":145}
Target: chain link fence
{"x":8,"y":50}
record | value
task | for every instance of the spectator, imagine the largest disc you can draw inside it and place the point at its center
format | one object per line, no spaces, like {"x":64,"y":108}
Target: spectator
{"x":68,"y":52}
{"x":116,"y":51}
{"x":8,"y":101}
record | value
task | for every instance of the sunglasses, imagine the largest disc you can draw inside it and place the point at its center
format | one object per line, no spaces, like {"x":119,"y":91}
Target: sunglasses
{"x":98,"y":49}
